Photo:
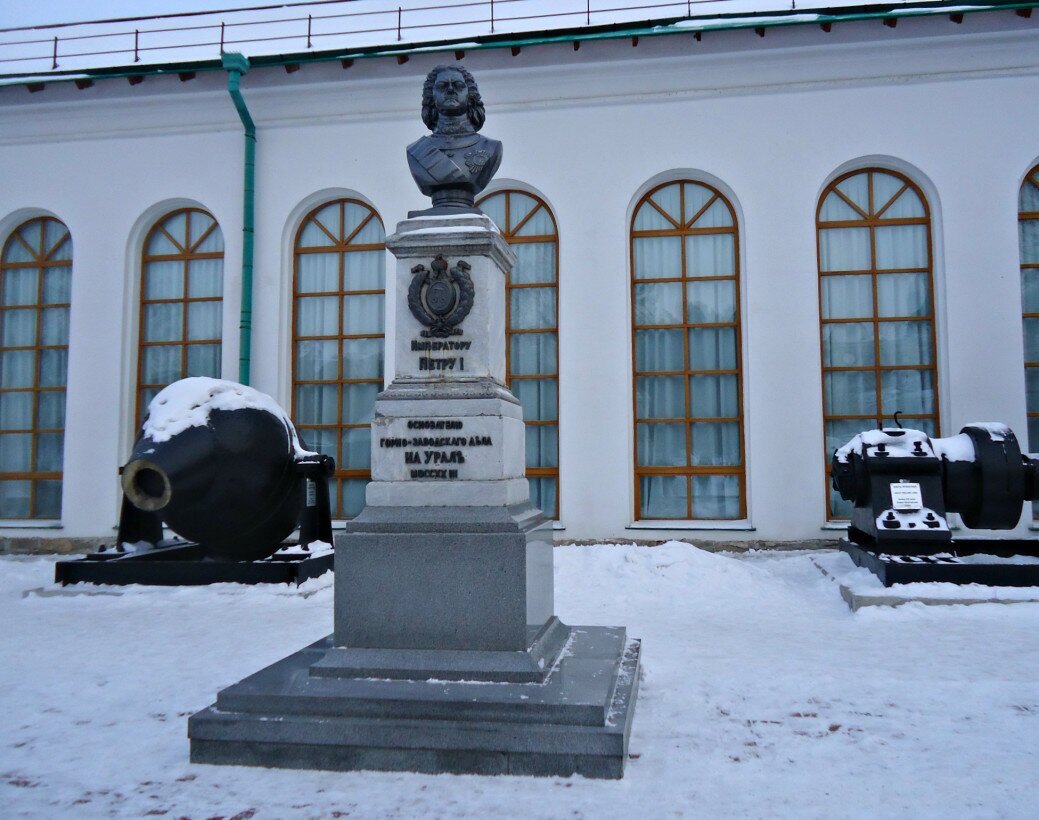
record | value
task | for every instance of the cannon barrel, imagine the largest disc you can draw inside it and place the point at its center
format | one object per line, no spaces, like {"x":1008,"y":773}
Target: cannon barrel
{"x":902,"y":482}
{"x":220,"y":464}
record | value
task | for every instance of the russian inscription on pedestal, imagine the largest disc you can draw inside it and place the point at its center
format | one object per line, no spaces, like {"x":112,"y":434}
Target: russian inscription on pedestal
{"x":435,"y":456}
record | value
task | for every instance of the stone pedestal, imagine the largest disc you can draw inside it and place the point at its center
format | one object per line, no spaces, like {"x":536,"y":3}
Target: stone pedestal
{"x":447,"y":655}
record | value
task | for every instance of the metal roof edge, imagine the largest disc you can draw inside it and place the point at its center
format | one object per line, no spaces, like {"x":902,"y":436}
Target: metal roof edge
{"x":669,"y":27}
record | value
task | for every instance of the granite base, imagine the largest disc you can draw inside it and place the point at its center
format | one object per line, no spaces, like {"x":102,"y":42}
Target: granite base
{"x":577,"y":721}
{"x":443,"y":578}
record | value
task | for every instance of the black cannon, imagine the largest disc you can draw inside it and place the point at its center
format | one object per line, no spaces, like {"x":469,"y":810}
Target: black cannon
{"x":903,"y":484}
{"x":220,"y":465}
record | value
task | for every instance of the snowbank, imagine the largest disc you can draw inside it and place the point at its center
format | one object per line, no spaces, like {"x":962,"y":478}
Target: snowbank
{"x":763,"y":696}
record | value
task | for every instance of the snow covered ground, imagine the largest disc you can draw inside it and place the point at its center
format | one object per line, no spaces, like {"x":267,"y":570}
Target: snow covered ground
{"x":763,"y":696}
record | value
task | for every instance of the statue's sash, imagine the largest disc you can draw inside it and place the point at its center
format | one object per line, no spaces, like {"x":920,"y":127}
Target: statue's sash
{"x":438,"y":165}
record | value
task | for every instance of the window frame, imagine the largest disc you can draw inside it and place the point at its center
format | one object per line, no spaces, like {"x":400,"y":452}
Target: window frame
{"x":511,"y":237}
{"x":873,"y":220}
{"x":1028,"y":216}
{"x":689,"y":471}
{"x":40,"y":262}
{"x":339,"y":247}
{"x":186,"y":257}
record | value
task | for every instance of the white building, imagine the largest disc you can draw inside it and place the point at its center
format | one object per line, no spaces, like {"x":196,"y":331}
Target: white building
{"x":843,"y":205}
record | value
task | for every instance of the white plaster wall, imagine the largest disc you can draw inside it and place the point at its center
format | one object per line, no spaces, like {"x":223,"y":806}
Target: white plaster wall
{"x":770,"y":120}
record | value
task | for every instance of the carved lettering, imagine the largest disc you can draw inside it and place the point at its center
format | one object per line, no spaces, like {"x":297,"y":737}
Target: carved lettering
{"x":434,"y":424}
{"x":433,"y":453}
{"x":438,"y":441}
{"x":421,"y":345}
{"x":434,"y":473}
{"x":429,"y":363}
{"x":440,"y":457}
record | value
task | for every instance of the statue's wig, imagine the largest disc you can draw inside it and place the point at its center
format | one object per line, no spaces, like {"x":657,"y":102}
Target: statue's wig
{"x":476,"y":113}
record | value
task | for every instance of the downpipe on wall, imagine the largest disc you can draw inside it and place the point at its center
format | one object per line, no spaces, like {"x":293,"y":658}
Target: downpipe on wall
{"x":236,"y":65}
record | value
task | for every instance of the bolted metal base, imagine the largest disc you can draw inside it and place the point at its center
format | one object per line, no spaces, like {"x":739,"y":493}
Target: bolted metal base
{"x":188,"y":565}
{"x":948,"y":568}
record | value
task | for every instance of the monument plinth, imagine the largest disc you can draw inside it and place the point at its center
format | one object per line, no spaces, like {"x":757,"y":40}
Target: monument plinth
{"x":447,"y":655}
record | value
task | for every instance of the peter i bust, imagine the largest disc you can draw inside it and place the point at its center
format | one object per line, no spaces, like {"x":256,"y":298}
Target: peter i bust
{"x":454,"y":163}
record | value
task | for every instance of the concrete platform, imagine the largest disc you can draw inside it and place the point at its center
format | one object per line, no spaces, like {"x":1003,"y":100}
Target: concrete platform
{"x":860,"y":588}
{"x":856,"y":599}
{"x":290,"y":715}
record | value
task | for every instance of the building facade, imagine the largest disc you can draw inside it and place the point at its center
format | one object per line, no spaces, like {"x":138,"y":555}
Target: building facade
{"x":736,"y":251}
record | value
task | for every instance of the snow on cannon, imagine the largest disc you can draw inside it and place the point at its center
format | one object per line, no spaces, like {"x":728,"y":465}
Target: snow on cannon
{"x":903,"y":484}
{"x":221,"y":465}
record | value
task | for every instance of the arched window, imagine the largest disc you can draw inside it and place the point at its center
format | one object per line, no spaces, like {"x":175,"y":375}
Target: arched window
{"x":877,"y":309}
{"x":182,"y":286}
{"x":35,"y":288}
{"x":687,"y":364}
{"x":337,"y":338}
{"x":1028,"y":232}
{"x":532,"y":333}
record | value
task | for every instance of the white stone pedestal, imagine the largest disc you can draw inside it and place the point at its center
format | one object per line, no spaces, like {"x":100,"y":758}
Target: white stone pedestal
{"x":447,"y":431}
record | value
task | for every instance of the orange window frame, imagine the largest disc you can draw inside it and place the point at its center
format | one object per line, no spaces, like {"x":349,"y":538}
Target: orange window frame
{"x":873,"y":218}
{"x":1031,"y":367}
{"x":511,"y":235}
{"x":682,"y":228}
{"x":187,"y":253}
{"x":42,"y":257}
{"x":340,"y":245}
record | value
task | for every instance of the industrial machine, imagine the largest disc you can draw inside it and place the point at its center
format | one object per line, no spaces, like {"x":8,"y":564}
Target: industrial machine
{"x":904,"y":484}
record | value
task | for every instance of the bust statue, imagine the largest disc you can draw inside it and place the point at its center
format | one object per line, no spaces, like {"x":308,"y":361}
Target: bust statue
{"x":454,"y":163}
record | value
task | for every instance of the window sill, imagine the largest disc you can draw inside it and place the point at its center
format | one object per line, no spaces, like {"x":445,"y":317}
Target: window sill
{"x":341,"y":525}
{"x":743,"y":526}
{"x":30,"y":525}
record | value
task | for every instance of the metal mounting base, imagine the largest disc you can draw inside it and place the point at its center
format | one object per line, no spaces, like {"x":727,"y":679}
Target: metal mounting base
{"x":951,"y":568}
{"x":186,"y":565}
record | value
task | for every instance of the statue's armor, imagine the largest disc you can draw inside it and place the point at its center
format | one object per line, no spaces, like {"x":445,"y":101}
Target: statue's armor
{"x":453,"y":168}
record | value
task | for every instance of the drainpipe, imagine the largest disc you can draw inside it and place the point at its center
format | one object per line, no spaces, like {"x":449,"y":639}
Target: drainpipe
{"x":236,"y":65}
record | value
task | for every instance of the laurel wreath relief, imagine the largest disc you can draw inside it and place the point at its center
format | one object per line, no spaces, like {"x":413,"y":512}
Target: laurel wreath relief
{"x":443,"y":322}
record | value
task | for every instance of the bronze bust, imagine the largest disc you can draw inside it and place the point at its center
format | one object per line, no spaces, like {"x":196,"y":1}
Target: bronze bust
{"x":454,"y":163}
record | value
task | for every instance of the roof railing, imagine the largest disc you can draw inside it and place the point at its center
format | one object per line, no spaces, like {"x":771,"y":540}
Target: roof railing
{"x":128,"y":40}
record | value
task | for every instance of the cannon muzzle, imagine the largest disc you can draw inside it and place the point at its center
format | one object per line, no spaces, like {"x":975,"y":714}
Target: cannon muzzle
{"x":146,"y":484}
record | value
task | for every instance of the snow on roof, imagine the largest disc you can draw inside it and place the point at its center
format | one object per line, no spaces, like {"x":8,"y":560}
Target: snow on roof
{"x":323,"y":26}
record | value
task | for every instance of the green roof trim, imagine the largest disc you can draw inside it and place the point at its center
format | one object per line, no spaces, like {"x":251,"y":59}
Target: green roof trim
{"x":670,"y":27}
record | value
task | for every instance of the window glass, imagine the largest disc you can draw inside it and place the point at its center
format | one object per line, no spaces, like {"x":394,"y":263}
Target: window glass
{"x":532,"y":331}
{"x":686,"y":318}
{"x":877,"y":310}
{"x":338,"y":323}
{"x":181,"y":308}
{"x":35,"y":293}
{"x":1028,"y":227}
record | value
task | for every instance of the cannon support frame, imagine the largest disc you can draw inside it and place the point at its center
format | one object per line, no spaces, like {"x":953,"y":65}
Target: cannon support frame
{"x":183,"y":563}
